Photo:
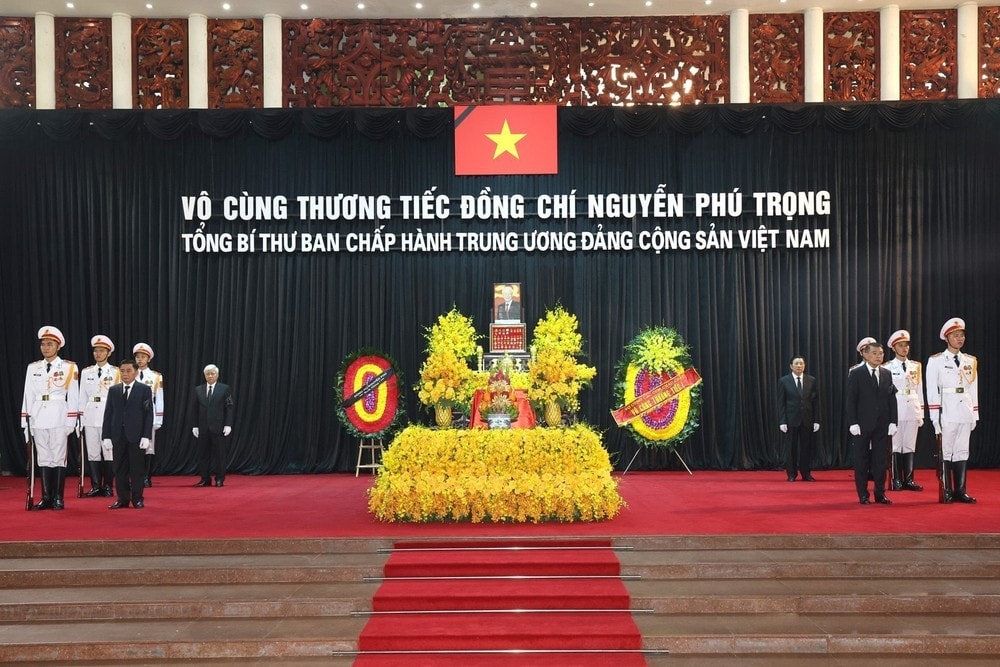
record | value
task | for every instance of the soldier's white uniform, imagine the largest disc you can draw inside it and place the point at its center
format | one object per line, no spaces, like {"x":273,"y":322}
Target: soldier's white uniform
{"x":907,"y":375}
{"x":154,"y":381}
{"x":51,"y":398}
{"x":953,"y":405}
{"x":94,"y":384}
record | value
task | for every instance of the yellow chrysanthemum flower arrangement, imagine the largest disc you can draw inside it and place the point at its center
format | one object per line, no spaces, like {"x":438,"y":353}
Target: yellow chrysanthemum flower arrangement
{"x":524,"y":475}
{"x":553,"y":370}
{"x":445,"y":376}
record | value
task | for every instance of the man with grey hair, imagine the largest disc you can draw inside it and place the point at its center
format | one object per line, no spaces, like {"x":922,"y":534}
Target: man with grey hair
{"x":213,"y":409}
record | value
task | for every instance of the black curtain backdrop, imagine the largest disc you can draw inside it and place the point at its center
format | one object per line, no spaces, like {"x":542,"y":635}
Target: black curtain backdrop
{"x":92,"y":224}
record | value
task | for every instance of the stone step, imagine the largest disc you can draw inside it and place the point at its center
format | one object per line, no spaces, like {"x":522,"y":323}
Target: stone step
{"x":770,"y":600}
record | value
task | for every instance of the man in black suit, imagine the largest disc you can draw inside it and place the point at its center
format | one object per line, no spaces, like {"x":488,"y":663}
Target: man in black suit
{"x":510,"y":309}
{"x":872,"y":414}
{"x":213,"y":408}
{"x":127,"y":429}
{"x":797,"y":400}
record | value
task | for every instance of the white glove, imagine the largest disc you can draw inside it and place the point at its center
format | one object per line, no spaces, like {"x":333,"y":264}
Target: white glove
{"x":156,"y":427}
{"x":144,"y":444}
{"x":195,"y":432}
{"x":226,"y":430}
{"x":892,"y":430}
{"x":937,"y":428}
{"x":27,"y":434}
{"x":783,"y":428}
{"x":107,"y":446}
{"x":815,"y":426}
{"x":920,"y":422}
{"x":855,"y":429}
{"x":974,"y":426}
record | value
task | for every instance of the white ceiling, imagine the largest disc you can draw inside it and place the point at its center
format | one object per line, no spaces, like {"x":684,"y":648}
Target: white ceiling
{"x":348,"y":9}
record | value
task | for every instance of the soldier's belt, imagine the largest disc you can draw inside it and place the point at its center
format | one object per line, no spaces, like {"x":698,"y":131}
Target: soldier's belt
{"x":95,"y":399}
{"x":953,"y":390}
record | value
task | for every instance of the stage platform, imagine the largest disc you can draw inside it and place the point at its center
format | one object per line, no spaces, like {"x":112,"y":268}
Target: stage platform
{"x":659,"y":503}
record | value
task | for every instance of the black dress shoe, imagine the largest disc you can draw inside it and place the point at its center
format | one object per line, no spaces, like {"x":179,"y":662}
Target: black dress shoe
{"x":219,"y":482}
{"x":95,"y":491}
{"x":204,"y":482}
{"x":139,"y":504}
{"x":117,"y":505}
{"x":791,"y":478}
{"x":810,"y":478}
{"x":865,"y":501}
{"x":883,"y":501}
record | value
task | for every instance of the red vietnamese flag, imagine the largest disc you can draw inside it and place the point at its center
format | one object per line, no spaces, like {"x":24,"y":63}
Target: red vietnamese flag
{"x":506,"y":139}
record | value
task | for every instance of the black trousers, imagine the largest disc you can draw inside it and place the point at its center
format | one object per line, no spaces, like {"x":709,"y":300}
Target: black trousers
{"x":800,"y":450}
{"x":870,"y":454}
{"x":130,"y":470}
{"x":214,"y":454}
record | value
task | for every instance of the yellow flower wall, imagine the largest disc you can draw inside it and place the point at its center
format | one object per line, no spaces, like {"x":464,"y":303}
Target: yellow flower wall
{"x":522,"y":475}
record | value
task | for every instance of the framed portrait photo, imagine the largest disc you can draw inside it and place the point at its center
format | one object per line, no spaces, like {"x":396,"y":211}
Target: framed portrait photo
{"x":507,"y":305}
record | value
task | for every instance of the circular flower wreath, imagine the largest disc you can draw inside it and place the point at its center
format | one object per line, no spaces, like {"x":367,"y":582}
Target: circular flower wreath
{"x":651,"y":359}
{"x":379,"y":410}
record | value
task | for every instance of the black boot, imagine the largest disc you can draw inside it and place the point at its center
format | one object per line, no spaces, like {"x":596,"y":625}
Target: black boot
{"x":57,"y":492}
{"x":959,"y":469}
{"x":95,"y":479}
{"x":897,"y":482}
{"x":947,"y":482}
{"x":908,"y":483}
{"x":148,"y":481}
{"x":48,"y":481}
{"x":108,"y":468}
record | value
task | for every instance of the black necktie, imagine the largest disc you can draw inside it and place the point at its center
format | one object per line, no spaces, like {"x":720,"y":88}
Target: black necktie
{"x":874,"y":377}
{"x":798,"y":382}
{"x":48,"y":367}
{"x":140,"y":375}
{"x":98,"y":371}
{"x":126,"y":392}
{"x":210,"y":387}
{"x":957,"y":365}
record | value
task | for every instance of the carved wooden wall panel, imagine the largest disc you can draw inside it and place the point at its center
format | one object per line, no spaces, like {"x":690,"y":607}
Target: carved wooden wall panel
{"x":989,"y":55}
{"x":776,"y":47}
{"x":17,"y":63}
{"x":927,"y":55}
{"x":654,"y":60}
{"x":160,"y":50}
{"x":851,"y":57}
{"x":235,"y":63}
{"x":83,"y":63}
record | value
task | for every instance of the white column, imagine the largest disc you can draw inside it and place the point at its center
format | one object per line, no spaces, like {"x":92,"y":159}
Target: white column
{"x":739,"y":56}
{"x":122,"y":81}
{"x":272,"y":61}
{"x":968,"y":50}
{"x":198,"y":53}
{"x":815,"y":63}
{"x":45,"y":61}
{"x":889,"y":51}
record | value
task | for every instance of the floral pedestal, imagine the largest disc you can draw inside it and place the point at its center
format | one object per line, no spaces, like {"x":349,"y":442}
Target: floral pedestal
{"x":480,"y":475}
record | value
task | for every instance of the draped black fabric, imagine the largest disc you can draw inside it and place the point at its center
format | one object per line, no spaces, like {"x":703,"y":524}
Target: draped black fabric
{"x":92,"y":225}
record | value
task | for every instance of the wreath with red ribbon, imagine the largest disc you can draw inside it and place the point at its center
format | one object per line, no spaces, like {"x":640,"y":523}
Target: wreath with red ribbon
{"x":368,"y":394}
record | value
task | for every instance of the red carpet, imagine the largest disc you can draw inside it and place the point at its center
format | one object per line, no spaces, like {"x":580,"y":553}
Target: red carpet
{"x":522,"y":597}
{"x":660,"y":503}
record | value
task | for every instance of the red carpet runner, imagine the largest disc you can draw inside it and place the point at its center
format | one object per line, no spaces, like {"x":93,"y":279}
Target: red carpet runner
{"x":517,"y":602}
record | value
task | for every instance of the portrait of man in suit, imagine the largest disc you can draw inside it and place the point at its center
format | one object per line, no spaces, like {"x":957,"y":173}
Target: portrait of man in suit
{"x":871,"y":414}
{"x":507,"y":301}
{"x":213,"y":409}
{"x":126,"y":432}
{"x":798,"y":396}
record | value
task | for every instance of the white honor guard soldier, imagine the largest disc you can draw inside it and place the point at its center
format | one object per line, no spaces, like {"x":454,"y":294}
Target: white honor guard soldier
{"x":51,"y":401}
{"x":907,"y":375}
{"x":143,"y":353}
{"x":94,"y":384}
{"x":953,"y":404}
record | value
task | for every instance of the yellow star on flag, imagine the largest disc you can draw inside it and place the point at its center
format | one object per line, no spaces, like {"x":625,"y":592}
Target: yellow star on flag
{"x":506,"y":141}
